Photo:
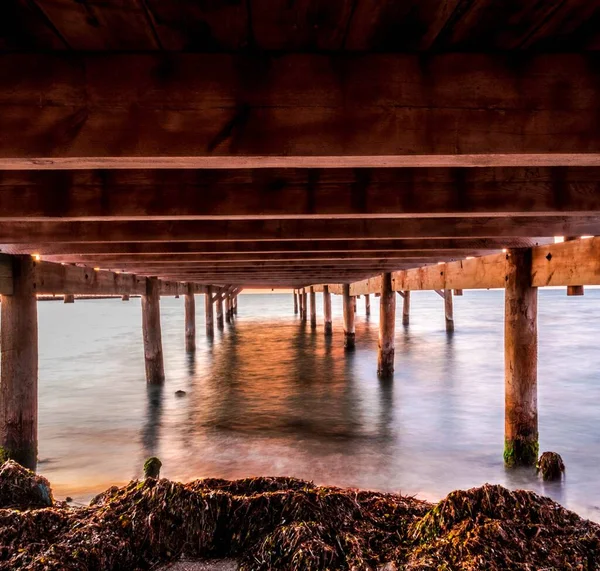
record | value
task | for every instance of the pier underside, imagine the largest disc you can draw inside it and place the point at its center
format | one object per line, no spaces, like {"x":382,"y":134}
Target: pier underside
{"x":352,"y":147}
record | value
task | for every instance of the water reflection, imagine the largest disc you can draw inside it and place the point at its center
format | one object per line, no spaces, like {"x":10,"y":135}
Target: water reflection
{"x":270,"y":396}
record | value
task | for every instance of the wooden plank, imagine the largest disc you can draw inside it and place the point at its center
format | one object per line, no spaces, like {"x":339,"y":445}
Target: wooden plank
{"x":310,"y":193}
{"x":258,"y":230}
{"x":121,"y":111}
{"x":91,"y":25}
{"x":370,"y":285}
{"x":409,"y":246}
{"x":6,"y":275}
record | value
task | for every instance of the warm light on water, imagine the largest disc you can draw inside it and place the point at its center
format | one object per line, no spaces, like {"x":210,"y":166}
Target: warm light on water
{"x":270,"y":397}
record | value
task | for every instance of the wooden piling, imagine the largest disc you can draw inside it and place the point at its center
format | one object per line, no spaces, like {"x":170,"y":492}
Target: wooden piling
{"x":295,"y":303}
{"x":125,"y":297}
{"x":219,"y":304}
{"x":574,"y":289}
{"x":234,"y":309}
{"x":313,"y":308}
{"x":69,"y":298}
{"x":190,"y":318}
{"x":458,"y":292}
{"x":449,"y":310}
{"x":304,"y":305}
{"x":349,"y":332}
{"x":228,"y":308}
{"x":387,"y":323}
{"x":406,"y":308}
{"x":328,"y":324}
{"x":520,"y":362}
{"x":208,"y":312}
{"x":19,"y":370}
{"x":155,"y":371}
{"x":367,"y":305}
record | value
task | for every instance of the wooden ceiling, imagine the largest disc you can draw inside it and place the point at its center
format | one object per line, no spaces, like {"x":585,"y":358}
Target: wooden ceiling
{"x":300,"y":25}
{"x":295,"y":142}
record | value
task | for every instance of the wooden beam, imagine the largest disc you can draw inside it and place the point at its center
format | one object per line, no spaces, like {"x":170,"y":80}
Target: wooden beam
{"x":296,"y":193}
{"x":290,"y":230}
{"x":76,"y":111}
{"x":416,"y":247}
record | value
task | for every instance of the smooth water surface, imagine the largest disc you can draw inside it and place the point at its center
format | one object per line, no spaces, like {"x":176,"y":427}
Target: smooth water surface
{"x":271,"y":397}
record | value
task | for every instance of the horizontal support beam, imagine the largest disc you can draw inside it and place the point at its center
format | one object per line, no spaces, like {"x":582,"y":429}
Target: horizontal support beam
{"x":257,"y":230}
{"x":266,"y":246}
{"x":51,"y":278}
{"x":575,"y":262}
{"x":72,"y":111}
{"x":266,"y":194}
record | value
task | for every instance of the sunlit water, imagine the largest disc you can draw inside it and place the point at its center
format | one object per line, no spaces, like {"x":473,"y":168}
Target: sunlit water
{"x":271,"y":397}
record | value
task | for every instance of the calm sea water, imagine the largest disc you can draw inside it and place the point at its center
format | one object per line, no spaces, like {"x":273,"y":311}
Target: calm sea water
{"x":271,"y":397}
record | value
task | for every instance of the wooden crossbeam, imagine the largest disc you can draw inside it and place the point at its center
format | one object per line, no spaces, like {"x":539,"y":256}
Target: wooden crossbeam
{"x":76,"y":111}
{"x":569,"y":263}
{"x":258,"y":230}
{"x":417,"y":246}
{"x":266,"y":194}
{"x":51,"y":278}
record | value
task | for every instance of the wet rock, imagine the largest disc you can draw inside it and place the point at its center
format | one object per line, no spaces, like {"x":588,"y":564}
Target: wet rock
{"x":180,"y":393}
{"x":68,"y":499}
{"x":21,"y":488}
{"x":152,"y":467}
{"x":550,"y":466}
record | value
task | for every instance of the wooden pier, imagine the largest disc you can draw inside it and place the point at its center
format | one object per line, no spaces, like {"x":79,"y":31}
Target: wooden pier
{"x":349,"y":148}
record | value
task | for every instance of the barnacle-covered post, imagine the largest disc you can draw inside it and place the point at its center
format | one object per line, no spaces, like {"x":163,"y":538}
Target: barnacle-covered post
{"x":328,"y":325}
{"x":19,"y":371}
{"x":520,"y":361}
{"x":387,"y":322}
{"x":348,"y":303}
{"x":153,"y":353}
{"x":313,"y":308}
{"x":190,"y":318}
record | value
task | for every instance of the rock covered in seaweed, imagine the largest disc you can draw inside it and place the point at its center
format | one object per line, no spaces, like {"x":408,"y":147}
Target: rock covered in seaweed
{"x":550,"y":466}
{"x":22,"y":489}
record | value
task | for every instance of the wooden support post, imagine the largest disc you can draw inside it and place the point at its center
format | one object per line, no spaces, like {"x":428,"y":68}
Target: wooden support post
{"x":295,"y":303}
{"x":449,"y":311}
{"x":367,"y":305}
{"x":219,"y":311}
{"x":387,"y":323}
{"x":521,"y":445}
{"x":573,"y":289}
{"x":328,"y":326}
{"x":304,"y":305}
{"x":69,"y":298}
{"x":19,"y":370}
{"x":458,"y":292}
{"x":300,"y":306}
{"x":208,"y":312}
{"x":235,"y":297}
{"x":190,"y":318}
{"x":355,"y":303}
{"x":155,"y":371}
{"x":228,"y":308}
{"x":313,"y":308}
{"x":349,"y":332}
{"x":406,"y":308}
{"x":125,"y":297}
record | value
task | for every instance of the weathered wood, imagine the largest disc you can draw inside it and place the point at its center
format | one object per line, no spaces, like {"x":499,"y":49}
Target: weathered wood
{"x":295,"y":294}
{"x":190,"y":319}
{"x":440,"y":293}
{"x":348,"y":308}
{"x":69,"y":298}
{"x":219,"y":304}
{"x":19,"y":366}
{"x":228,"y":308}
{"x":573,"y":290}
{"x":209,"y":313}
{"x":448,"y":311}
{"x":458,"y":292}
{"x":153,"y":353}
{"x":304,"y":305}
{"x":313,"y":309}
{"x":367,"y":305}
{"x":328,"y":322}
{"x":387,"y":327}
{"x":406,"y":309}
{"x":520,"y":367}
{"x":221,"y":194}
{"x":235,"y":304}
{"x":125,"y":297}
{"x":298,"y":110}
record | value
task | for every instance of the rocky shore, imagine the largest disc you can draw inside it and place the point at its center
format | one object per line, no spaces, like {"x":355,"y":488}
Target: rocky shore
{"x":284,"y":523}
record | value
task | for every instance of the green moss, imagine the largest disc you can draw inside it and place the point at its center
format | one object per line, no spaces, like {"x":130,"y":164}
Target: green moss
{"x":521,"y":452}
{"x":152,"y":467}
{"x":3,"y":455}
